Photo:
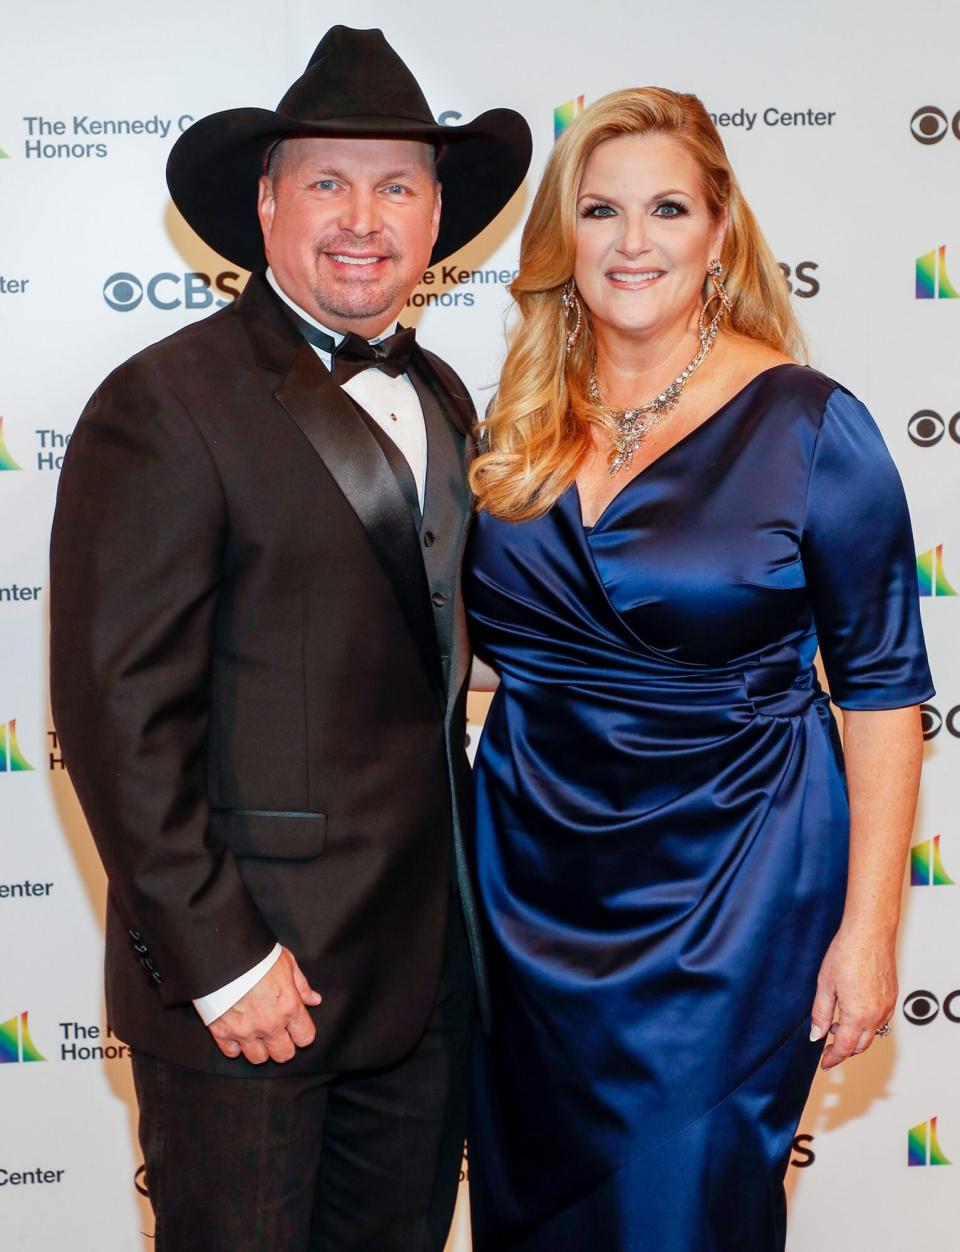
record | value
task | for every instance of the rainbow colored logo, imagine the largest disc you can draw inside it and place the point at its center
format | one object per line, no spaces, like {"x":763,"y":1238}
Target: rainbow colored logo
{"x":933,"y":581}
{"x":564,"y":114}
{"x":933,"y":282}
{"x":926,"y":866}
{"x":12,"y":760}
{"x":15,"y":1042}
{"x":923,"y":1147}
{"x":6,"y":460}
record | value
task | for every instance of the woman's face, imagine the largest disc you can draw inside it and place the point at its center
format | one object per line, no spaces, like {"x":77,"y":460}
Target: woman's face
{"x":644,"y":235}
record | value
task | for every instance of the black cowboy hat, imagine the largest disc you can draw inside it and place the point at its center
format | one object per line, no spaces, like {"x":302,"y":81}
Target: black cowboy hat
{"x":354,"y":84}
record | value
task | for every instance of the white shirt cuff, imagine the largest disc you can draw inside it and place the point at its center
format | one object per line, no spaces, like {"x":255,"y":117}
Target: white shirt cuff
{"x":218,"y":1002}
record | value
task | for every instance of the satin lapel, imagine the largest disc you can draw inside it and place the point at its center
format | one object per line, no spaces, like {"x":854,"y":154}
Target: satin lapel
{"x":457,"y":407}
{"x":448,"y":388}
{"x":273,"y":336}
{"x":359,"y":468}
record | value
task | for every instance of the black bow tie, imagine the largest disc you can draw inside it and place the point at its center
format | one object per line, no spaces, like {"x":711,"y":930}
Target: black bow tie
{"x":392,"y":355}
{"x":353,"y":354}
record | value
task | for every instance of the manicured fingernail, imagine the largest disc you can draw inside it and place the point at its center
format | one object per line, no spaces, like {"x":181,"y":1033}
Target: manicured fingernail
{"x":816,"y":1034}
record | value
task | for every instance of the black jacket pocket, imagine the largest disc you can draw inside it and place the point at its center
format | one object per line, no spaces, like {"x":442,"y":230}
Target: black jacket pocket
{"x":277,"y":834}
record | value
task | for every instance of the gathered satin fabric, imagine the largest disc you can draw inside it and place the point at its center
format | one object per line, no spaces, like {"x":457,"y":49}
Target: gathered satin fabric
{"x":662,"y":820}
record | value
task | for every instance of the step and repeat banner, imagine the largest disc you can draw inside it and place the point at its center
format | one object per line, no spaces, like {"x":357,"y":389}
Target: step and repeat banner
{"x":843,"y":123}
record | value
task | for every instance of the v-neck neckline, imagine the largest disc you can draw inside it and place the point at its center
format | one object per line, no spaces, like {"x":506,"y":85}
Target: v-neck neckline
{"x":684,"y":439}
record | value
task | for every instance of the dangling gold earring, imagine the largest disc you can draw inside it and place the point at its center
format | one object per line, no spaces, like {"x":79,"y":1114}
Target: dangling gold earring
{"x":714,"y":270}
{"x":571,"y":305}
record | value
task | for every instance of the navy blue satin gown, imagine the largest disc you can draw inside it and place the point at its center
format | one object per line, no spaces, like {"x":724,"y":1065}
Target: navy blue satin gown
{"x":662,"y":821}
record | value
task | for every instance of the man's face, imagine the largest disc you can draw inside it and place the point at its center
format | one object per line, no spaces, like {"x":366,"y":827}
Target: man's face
{"x":349,"y":225}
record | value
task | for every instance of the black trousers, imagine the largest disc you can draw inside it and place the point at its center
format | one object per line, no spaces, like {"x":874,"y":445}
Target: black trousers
{"x":358,"y":1162}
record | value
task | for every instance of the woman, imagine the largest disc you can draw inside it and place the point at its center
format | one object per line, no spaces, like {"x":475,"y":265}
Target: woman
{"x":674,"y":515}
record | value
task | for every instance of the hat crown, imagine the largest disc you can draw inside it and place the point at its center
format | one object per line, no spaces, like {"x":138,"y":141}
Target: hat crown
{"x":355,"y":73}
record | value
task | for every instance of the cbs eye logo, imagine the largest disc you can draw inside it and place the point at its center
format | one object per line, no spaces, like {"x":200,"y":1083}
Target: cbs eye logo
{"x":927,"y":428}
{"x":930,"y":124}
{"x":932,"y":721}
{"x":922,"y":1007}
{"x":123,"y":291}
{"x":140,"y":1180}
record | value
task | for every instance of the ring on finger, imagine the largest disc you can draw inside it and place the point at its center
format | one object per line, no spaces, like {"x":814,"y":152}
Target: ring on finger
{"x":883,"y":1030}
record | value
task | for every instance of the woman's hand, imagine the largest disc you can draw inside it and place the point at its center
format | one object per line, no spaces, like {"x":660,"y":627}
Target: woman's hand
{"x":857,"y":984}
{"x":856,"y":993}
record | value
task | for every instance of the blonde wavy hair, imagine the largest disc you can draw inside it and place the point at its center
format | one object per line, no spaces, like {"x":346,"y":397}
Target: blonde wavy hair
{"x":538,"y":428}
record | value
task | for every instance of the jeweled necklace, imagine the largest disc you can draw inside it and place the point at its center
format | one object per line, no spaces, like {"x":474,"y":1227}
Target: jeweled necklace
{"x":632,"y":425}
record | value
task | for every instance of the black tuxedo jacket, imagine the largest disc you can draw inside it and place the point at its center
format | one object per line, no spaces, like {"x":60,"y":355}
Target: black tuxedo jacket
{"x":260,"y":688}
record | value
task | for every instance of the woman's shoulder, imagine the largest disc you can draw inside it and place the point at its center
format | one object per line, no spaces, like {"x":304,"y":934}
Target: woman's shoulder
{"x":778,"y":377}
{"x":799,"y":404}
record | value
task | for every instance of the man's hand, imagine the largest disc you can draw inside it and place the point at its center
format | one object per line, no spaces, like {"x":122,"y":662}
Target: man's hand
{"x":270,"y":1022}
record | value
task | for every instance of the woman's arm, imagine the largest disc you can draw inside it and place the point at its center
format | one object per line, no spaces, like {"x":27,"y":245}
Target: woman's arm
{"x":858,"y":978}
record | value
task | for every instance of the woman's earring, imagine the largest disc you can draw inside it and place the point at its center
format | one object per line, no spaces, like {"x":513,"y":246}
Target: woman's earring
{"x":714,"y":270}
{"x":572,"y":310}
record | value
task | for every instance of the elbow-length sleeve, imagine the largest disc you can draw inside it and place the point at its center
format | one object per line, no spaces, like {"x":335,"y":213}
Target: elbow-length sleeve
{"x":860,"y":565}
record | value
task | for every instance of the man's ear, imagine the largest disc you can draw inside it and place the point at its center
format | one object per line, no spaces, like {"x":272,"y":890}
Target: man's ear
{"x":437,"y":210}
{"x":266,"y":206}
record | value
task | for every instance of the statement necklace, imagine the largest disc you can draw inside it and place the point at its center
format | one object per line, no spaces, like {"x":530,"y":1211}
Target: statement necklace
{"x":632,"y":425}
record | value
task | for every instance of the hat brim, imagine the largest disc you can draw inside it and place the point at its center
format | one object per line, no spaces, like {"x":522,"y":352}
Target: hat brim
{"x":214,"y":167}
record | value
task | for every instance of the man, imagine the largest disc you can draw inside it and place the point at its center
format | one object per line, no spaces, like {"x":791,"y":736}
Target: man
{"x":258,"y":678}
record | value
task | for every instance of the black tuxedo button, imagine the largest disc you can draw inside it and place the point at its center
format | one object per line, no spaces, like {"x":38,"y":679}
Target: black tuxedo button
{"x":428,"y":538}
{"x":439,"y":599}
{"x":139,"y":946}
{"x":135,"y":935}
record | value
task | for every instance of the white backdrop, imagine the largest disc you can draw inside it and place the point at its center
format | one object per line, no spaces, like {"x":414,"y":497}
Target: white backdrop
{"x":843,"y":121}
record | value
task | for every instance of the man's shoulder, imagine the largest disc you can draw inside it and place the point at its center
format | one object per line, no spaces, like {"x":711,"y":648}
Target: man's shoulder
{"x":187,"y":372}
{"x":205,"y":341}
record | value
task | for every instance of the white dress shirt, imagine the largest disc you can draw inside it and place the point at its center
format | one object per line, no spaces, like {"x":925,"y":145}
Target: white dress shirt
{"x":394,"y":405}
